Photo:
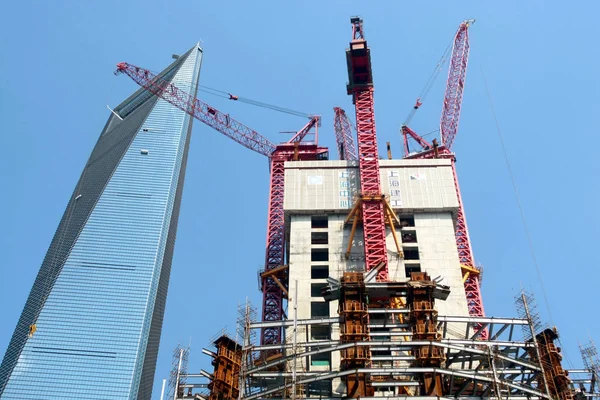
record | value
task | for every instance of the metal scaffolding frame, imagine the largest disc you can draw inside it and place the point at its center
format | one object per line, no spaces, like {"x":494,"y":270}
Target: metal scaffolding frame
{"x":473,"y":367}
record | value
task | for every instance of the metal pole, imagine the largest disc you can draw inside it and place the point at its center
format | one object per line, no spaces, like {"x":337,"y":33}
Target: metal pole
{"x":535,"y":342}
{"x":492,"y":359}
{"x":295,"y":338}
{"x":245,"y":349}
{"x":178,"y":374}
{"x":162,"y":392}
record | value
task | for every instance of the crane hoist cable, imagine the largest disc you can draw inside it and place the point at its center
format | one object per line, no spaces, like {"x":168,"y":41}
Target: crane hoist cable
{"x":429,"y":84}
{"x":229,"y":96}
{"x":521,"y":211}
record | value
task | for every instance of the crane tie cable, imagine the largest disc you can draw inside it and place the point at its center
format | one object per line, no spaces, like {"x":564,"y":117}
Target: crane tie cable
{"x":521,"y":212}
{"x":227,"y":95}
{"x":429,"y":84}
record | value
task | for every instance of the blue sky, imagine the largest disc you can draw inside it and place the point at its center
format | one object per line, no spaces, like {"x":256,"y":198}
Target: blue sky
{"x":540,"y":60}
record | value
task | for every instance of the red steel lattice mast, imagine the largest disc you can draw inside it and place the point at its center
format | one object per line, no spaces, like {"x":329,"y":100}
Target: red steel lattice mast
{"x":274,"y":279}
{"x":448,"y":130}
{"x":343,"y":135}
{"x":360,"y":86}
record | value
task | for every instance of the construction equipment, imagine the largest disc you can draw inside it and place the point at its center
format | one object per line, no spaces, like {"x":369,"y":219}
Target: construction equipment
{"x":448,"y":130}
{"x":343,"y":135}
{"x":274,"y":278}
{"x":360,"y":86}
{"x":393,"y":342}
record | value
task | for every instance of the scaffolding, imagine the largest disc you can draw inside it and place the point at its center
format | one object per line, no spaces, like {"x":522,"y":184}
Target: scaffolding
{"x":402,"y":347}
{"x":393,"y":343}
{"x":178,"y":375}
{"x":585,"y":381}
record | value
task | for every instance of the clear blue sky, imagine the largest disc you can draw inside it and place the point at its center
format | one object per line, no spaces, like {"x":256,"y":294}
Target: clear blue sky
{"x":540,"y":59}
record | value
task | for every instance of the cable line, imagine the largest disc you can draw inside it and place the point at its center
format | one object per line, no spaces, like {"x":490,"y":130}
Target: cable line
{"x":228,"y":95}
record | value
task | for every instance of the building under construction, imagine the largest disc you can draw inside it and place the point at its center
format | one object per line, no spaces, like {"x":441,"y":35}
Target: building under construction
{"x":369,"y":287}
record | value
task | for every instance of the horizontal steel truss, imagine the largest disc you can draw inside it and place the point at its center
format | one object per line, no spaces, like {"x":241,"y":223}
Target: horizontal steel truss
{"x":413,"y":398}
{"x":583,"y":381}
{"x":471,"y":362}
{"x":486,"y":381}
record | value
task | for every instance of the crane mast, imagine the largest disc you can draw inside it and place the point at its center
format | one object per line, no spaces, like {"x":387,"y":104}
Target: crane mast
{"x":274,"y":277}
{"x":343,"y":135}
{"x":360,"y":86}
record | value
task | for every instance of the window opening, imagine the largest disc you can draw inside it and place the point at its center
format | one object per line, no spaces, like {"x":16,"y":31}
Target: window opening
{"x":316,"y":289}
{"x":322,"y":359}
{"x":410,"y":253}
{"x":318,"y":221}
{"x":319,"y":309}
{"x":320,"y":332}
{"x":410,"y":268}
{"x":319,"y":254}
{"x":319,"y":272}
{"x":409,"y":237}
{"x":319,"y":238}
{"x":407,"y":220}
{"x":319,"y":388}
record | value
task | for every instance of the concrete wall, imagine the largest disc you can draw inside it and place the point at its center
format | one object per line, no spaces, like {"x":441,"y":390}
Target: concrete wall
{"x":422,"y":189}
{"x":332,"y":185}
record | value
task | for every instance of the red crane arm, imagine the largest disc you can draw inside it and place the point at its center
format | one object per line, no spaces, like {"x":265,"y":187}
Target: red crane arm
{"x":201,"y":111}
{"x":406,"y":132}
{"x":273,"y":295}
{"x":301,"y":134}
{"x":343,"y":135}
{"x":449,"y":128}
{"x":455,"y":86}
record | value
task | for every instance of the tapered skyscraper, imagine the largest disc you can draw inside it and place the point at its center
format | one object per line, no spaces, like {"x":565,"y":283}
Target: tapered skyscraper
{"x":91,"y":326}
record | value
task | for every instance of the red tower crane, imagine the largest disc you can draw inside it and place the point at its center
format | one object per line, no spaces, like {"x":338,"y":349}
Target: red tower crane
{"x":360,"y":86}
{"x":343,"y":135}
{"x":448,"y":129}
{"x":274,"y":283}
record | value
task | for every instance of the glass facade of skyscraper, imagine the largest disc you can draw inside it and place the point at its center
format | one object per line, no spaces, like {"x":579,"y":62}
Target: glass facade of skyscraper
{"x":91,"y":326}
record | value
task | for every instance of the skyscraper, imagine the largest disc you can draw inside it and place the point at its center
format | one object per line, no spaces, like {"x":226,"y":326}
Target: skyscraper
{"x":91,"y":324}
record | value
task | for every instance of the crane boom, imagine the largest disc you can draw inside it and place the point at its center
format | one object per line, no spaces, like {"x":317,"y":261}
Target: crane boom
{"x":198,"y":109}
{"x":455,"y":85}
{"x":343,"y":135}
{"x":360,"y":86}
{"x":448,"y":129}
{"x":406,"y":133}
{"x":274,"y":277}
{"x":301,"y":134}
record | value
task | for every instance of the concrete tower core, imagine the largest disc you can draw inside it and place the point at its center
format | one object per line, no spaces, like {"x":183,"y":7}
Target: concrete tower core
{"x":318,"y":196}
